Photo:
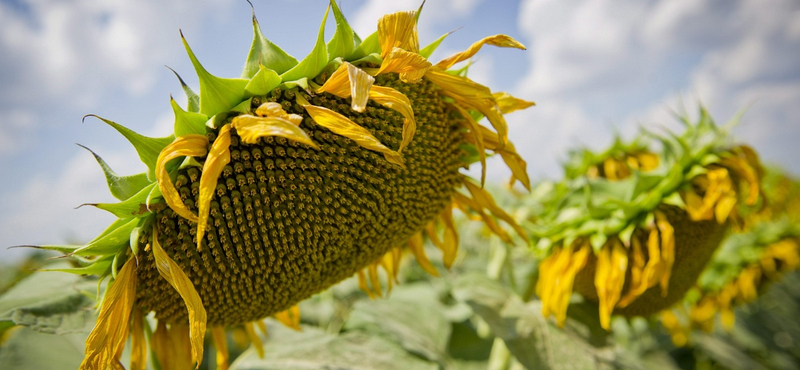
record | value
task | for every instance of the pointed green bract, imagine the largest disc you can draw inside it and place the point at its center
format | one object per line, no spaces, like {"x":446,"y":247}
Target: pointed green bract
{"x":193,"y":104}
{"x":111,"y":242}
{"x":216,"y":94}
{"x":264,"y":52}
{"x":264,"y":81}
{"x":187,"y":122}
{"x":313,"y":64}
{"x":370,"y":45}
{"x":428,"y":50}
{"x":96,"y":268}
{"x":342,"y":43}
{"x":148,"y":148}
{"x":134,"y":206}
{"x":121,"y":187}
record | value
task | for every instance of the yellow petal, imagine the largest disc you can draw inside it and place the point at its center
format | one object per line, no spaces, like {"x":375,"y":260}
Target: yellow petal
{"x":221,"y":344}
{"x":289,"y":317}
{"x":372,"y":270}
{"x":180,"y":351}
{"x":667,"y":249}
{"x":450,"y":238}
{"x":362,"y":284}
{"x":638,"y":284}
{"x":503,"y":41}
{"x":218,"y":157}
{"x":508,"y":103}
{"x":417,"y":248}
{"x":138,"y":343}
{"x":251,"y":128}
{"x":483,"y":198}
{"x":459,"y":86}
{"x":343,"y":126}
{"x":111,"y":330}
{"x":187,"y":145}
{"x":411,"y":66}
{"x":172,"y":273}
{"x":254,"y":339}
{"x":161,"y":345}
{"x":476,"y":133}
{"x":398,"y":30}
{"x":272,"y":109}
{"x":393,"y":99}
{"x":349,"y":81}
{"x":612,"y":263}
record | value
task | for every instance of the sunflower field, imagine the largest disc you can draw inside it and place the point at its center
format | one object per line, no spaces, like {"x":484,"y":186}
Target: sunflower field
{"x":317,"y":213}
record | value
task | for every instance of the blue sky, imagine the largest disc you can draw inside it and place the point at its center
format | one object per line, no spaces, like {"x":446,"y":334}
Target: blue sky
{"x":594,"y":67}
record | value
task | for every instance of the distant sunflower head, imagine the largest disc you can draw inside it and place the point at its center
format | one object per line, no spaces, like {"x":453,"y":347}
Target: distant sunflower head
{"x":634,"y":230}
{"x":284,"y":181}
{"x":745,"y":263}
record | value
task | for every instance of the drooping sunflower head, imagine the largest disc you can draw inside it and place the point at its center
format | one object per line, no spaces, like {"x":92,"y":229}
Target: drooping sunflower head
{"x":296,"y":175}
{"x":745,"y":263}
{"x":636,"y":229}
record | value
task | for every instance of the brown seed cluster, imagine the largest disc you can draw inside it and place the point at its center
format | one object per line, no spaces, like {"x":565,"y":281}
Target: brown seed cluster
{"x":695,"y":243}
{"x":288,"y":221}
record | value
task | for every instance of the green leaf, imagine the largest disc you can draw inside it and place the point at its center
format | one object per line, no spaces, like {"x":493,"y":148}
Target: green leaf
{"x":96,"y":268}
{"x":312,"y":64}
{"x":187,"y":122}
{"x":121,"y":187}
{"x":193,"y":104}
{"x":370,"y":45}
{"x":417,"y":324}
{"x":148,"y":148}
{"x":135,"y":206}
{"x":535,"y":342}
{"x":28,"y":350}
{"x":264,"y":52}
{"x":216,"y":94}
{"x":50,"y":302}
{"x":264,"y":81}
{"x":342,"y":43}
{"x":428,"y":50}
{"x":312,"y":348}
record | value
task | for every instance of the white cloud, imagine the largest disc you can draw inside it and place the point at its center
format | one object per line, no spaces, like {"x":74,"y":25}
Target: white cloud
{"x":86,"y":47}
{"x":601,"y":62}
{"x":16,"y":126}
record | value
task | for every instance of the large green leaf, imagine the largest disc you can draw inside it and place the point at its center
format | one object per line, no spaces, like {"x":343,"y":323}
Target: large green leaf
{"x":50,"y":302}
{"x":121,"y":187}
{"x":26,"y":349}
{"x":314,"y":349}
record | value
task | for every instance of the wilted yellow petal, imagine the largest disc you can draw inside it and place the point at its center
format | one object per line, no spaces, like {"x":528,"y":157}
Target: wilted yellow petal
{"x":289,"y":317}
{"x":180,"y":352}
{"x":450,"y":238}
{"x":172,"y":273}
{"x":393,"y":99}
{"x":557,"y":276}
{"x":612,"y":263}
{"x":138,"y":343}
{"x":411,"y":66}
{"x":221,"y":344}
{"x":161,"y":345}
{"x":251,"y":128}
{"x":111,"y":330}
{"x":638,"y":284}
{"x":724,"y":207}
{"x":218,"y":157}
{"x":503,"y":41}
{"x":647,"y":161}
{"x":508,"y":103}
{"x":417,"y":248}
{"x":484,"y":199}
{"x":187,"y":145}
{"x":362,"y":284}
{"x":372,"y":270}
{"x":349,"y":81}
{"x":476,"y":133}
{"x":398,"y":30}
{"x":254,"y":339}
{"x":459,"y":86}
{"x":667,"y":249}
{"x":343,"y":126}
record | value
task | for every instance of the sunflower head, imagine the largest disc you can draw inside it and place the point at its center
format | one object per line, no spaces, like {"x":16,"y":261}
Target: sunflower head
{"x":283,"y":181}
{"x":635,"y":230}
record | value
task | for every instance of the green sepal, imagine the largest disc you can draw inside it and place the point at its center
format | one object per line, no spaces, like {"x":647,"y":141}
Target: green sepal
{"x":312,"y":64}
{"x":96,"y":268}
{"x":243,"y":107}
{"x":264,"y":81}
{"x":301,"y":83}
{"x":187,"y":123}
{"x":148,"y":148}
{"x":121,"y":187}
{"x":342,"y":44}
{"x":193,"y":100}
{"x":263,"y":51}
{"x":134,"y":206}
{"x":110,"y":242}
{"x":144,"y":224}
{"x":216,"y":94}
{"x":373,"y":58}
{"x":597,"y":241}
{"x":428,"y":50}
{"x":370,"y":45}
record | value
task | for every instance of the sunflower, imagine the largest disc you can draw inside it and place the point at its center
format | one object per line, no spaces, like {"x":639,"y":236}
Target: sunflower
{"x":284,"y":181}
{"x":745,"y":264}
{"x":636,"y":227}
